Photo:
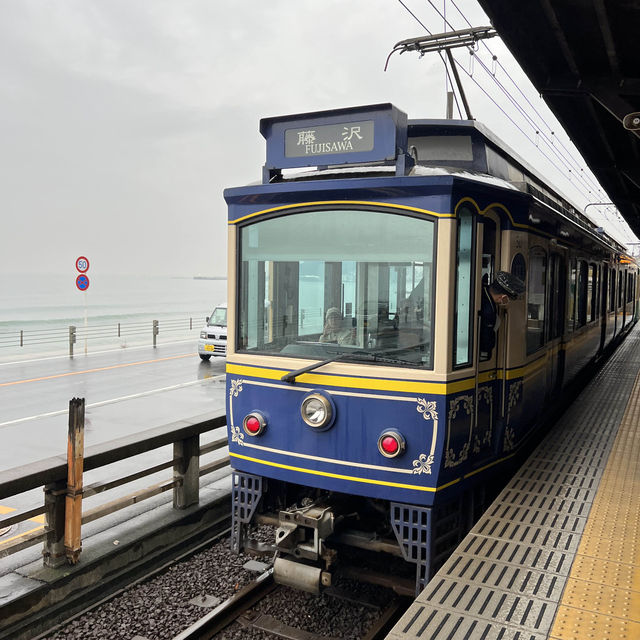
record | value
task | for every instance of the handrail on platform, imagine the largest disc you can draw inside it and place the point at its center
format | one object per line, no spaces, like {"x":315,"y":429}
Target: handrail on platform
{"x":61,"y":479}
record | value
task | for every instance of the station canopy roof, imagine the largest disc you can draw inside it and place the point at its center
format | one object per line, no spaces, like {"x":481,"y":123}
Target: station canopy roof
{"x":583,"y":56}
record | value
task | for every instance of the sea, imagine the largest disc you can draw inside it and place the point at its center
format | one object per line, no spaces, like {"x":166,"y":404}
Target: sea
{"x":115,"y":312}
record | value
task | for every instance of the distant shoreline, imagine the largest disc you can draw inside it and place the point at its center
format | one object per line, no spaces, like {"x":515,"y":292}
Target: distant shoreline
{"x":209,"y":277}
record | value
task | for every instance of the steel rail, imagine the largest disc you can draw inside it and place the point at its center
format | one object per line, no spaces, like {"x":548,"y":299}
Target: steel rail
{"x":238,"y":607}
{"x":231,"y":609}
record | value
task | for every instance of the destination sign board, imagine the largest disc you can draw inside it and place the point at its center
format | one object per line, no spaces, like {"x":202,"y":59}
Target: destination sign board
{"x":348,"y":137}
{"x":371,"y":133}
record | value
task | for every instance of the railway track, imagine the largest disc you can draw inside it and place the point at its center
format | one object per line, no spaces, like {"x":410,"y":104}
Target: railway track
{"x":241,"y":609}
{"x":161,"y":604}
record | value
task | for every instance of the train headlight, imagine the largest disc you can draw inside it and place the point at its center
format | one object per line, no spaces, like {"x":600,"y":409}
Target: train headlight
{"x":391,"y":443}
{"x":254,"y":424}
{"x":317,"y":411}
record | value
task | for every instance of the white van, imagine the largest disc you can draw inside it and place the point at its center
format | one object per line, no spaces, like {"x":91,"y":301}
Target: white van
{"x":213,"y":337}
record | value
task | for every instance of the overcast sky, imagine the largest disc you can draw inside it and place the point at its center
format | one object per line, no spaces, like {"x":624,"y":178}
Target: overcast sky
{"x":122,"y":121}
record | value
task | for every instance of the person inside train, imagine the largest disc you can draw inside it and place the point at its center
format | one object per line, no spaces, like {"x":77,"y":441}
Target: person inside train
{"x":334,"y":329}
{"x":496,"y":295}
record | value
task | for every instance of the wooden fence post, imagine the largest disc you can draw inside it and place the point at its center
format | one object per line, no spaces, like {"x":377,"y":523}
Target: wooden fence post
{"x":75,"y":464}
{"x":186,"y":472}
{"x":54,"y":499}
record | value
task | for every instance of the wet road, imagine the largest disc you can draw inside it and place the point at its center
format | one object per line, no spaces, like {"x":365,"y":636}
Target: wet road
{"x":125,"y":391}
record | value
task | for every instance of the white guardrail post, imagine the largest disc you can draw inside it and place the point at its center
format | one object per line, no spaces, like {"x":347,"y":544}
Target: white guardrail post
{"x":72,"y":339}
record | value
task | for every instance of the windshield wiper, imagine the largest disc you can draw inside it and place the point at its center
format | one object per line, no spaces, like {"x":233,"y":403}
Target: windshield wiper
{"x":344,"y":355}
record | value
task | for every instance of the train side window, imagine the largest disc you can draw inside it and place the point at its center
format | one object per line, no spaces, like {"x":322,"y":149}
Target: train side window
{"x":488,"y":250}
{"x":571,"y":307}
{"x":582,"y":293}
{"x":597,"y":291}
{"x":556,"y":295}
{"x":602,"y":289}
{"x":620,"y":289}
{"x":592,"y":293}
{"x":612,"y":291}
{"x":519,"y":267}
{"x":536,"y":296}
{"x":463,"y":330}
{"x":627,"y":286}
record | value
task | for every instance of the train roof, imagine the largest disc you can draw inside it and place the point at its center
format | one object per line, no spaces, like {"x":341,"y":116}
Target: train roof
{"x":315,"y":146}
{"x":491,"y":156}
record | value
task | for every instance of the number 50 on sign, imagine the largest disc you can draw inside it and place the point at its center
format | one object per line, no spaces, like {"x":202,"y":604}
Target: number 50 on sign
{"x":82,"y":264}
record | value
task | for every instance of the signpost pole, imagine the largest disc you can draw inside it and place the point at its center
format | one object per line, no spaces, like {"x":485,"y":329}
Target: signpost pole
{"x":82,"y":283}
{"x":86,"y":321}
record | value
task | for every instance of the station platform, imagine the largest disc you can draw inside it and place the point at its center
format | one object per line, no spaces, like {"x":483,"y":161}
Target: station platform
{"x":557,"y":555}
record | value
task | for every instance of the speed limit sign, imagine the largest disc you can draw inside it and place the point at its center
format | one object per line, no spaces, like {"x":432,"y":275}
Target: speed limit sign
{"x":82,"y":264}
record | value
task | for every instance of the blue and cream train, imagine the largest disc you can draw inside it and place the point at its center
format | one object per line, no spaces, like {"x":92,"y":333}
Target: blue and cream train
{"x":383,"y":432}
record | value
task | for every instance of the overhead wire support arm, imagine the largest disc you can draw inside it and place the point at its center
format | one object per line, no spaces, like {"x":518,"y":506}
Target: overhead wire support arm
{"x":441,"y":41}
{"x":445,"y":42}
{"x":463,"y":95}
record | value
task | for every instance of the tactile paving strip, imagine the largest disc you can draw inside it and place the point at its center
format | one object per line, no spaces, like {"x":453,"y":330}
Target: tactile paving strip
{"x":506,"y":579}
{"x":602,"y":596}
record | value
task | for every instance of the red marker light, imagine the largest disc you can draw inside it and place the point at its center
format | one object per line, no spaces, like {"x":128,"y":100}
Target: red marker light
{"x":254,"y":424}
{"x":390,"y":445}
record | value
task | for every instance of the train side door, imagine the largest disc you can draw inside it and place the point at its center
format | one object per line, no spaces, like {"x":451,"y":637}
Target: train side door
{"x":487,"y":397}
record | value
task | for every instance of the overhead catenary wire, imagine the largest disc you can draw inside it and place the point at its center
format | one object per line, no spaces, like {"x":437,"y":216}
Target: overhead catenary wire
{"x":578,"y":169}
{"x":506,"y":72}
{"x":594,"y":185}
{"x":578,"y":173}
{"x":515,"y":124}
{"x":455,"y":97}
{"x":583,"y":179}
{"x":570,"y":159}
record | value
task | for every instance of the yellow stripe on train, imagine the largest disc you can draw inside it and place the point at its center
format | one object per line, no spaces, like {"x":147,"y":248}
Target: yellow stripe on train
{"x":343,"y":202}
{"x":341,"y":477}
{"x":386,"y":384}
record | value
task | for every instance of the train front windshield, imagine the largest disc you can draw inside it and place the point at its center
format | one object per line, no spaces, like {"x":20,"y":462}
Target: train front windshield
{"x":321,"y":283}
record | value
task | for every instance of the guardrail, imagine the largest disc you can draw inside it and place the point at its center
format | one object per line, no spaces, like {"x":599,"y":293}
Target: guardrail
{"x":64,"y":490}
{"x":70,"y":334}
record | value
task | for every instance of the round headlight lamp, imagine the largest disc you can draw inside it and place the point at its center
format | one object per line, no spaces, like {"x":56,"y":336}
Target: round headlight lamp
{"x":317,"y":411}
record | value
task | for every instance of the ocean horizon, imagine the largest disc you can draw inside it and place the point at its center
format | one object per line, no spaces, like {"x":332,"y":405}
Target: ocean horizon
{"x":43,"y":306}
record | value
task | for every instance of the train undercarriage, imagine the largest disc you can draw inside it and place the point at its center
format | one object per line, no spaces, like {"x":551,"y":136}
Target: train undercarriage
{"x":320,"y":534}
